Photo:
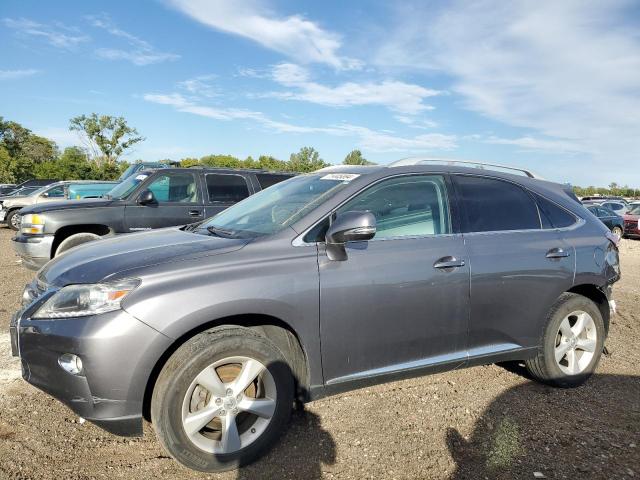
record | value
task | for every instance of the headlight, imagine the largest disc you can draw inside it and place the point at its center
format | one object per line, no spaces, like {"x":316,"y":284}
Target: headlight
{"x":32,"y":224}
{"x":83,"y":300}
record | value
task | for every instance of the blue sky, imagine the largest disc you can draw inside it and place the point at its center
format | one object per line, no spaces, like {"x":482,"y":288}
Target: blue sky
{"x":551,"y":86}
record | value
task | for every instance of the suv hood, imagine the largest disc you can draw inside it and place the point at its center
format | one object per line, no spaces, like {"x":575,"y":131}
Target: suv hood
{"x":95,"y":261}
{"x":68,"y":204}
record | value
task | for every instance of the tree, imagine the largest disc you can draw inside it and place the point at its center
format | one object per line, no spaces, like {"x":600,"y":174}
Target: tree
{"x":6,"y":172}
{"x":71,"y":165}
{"x":354,"y":157}
{"x":306,"y":160}
{"x":105,"y":137}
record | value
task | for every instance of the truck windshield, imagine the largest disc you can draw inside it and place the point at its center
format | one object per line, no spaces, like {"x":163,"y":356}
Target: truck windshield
{"x":124,"y":189}
{"x":276,"y":207}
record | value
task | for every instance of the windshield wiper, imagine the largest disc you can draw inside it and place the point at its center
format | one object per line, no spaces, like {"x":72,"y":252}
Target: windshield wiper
{"x":220,"y":232}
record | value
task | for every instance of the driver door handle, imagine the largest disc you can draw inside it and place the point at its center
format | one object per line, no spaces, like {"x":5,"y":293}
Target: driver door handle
{"x":557,"y":253}
{"x":448,"y":262}
{"x":195,"y":213}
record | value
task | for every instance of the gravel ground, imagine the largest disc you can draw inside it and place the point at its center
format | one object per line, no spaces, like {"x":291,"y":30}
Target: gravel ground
{"x":480,"y":423}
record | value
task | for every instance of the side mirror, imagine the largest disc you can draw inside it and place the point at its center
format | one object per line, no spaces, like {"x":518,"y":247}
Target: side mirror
{"x":348,"y":227}
{"x":146,"y":197}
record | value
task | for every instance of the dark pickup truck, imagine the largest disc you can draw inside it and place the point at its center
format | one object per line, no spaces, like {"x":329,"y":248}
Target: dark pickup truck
{"x":147,"y":200}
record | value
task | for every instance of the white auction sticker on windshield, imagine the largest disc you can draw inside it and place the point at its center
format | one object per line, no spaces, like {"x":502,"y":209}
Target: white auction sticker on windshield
{"x":341,"y":177}
{"x":141,"y":177}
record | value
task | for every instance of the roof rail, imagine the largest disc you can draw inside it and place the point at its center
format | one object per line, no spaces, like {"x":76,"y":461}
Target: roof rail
{"x":452,"y":161}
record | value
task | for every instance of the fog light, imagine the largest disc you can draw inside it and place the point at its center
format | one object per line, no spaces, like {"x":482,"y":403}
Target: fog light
{"x":71,"y":363}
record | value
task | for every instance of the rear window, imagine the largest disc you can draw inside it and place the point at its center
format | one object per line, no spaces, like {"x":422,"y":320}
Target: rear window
{"x":226,"y":188}
{"x":495,"y":205}
{"x":267,"y":179}
{"x":552,"y":215}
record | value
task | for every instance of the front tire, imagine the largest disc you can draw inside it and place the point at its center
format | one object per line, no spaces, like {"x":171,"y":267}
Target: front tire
{"x":13,"y":220}
{"x":572,"y":343}
{"x":222,"y":399}
{"x":75,"y":240}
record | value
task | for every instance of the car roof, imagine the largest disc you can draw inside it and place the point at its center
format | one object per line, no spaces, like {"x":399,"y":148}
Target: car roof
{"x":216,"y":170}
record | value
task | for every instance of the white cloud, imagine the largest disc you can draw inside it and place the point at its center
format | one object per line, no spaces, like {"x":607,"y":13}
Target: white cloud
{"x":294,"y":36}
{"x":200,"y":85}
{"x":53,"y":34}
{"x":395,"y":95}
{"x":17,"y":74}
{"x":567,"y":70}
{"x":371,"y":140}
{"x":139,"y":51}
{"x":541,"y":144}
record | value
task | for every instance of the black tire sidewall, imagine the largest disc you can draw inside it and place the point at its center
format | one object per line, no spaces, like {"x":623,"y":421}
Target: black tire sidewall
{"x":167,"y":407}
{"x":74,"y":241}
{"x":573,"y":303}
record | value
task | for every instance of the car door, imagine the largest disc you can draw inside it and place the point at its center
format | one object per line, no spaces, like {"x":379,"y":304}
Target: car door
{"x":399,"y":303}
{"x":178,"y":201}
{"x":224,"y":190}
{"x":518,"y":268}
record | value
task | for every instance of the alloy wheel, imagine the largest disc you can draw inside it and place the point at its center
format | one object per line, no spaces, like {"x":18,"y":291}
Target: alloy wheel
{"x":229,"y":405}
{"x":576,"y":342}
{"x":15,"y":221}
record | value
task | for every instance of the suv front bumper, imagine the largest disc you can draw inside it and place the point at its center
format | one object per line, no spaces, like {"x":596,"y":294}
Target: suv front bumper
{"x":35,"y":250}
{"x":118,"y":354}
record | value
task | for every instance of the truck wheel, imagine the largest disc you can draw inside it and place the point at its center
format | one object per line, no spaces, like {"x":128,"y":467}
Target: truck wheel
{"x":572,"y":343}
{"x":13,"y":220}
{"x":222,"y":399}
{"x":75,"y":240}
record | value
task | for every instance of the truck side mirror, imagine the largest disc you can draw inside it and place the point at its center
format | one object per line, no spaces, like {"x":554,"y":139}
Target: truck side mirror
{"x":146,"y":197}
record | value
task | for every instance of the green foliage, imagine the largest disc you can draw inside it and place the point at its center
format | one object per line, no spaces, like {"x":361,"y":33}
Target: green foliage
{"x":6,"y":172}
{"x":107,"y":137}
{"x":354,"y":157}
{"x":614,"y":189}
{"x":306,"y":160}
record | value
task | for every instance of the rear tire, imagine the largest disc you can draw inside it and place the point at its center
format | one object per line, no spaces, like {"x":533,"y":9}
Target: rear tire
{"x":572,"y":343}
{"x":201,"y":413}
{"x":617,"y":231}
{"x":75,"y":240}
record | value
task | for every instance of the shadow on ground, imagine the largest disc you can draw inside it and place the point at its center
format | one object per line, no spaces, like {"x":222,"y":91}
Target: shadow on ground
{"x":588,"y":432}
{"x":301,"y":454}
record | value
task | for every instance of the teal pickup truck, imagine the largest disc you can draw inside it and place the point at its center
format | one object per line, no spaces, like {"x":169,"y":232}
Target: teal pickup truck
{"x":88,"y":189}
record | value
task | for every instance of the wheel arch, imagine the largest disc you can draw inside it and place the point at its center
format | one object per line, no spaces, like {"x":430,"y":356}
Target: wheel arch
{"x":65,"y":232}
{"x":279,"y":332}
{"x":595,"y":294}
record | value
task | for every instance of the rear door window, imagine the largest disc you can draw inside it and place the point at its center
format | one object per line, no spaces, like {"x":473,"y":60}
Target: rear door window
{"x":226,"y":188}
{"x":267,"y":179}
{"x":493,"y":205}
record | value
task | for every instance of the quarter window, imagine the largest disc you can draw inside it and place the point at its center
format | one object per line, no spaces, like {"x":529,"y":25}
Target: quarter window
{"x":414,"y":205}
{"x":552,"y":215}
{"x":226,"y":188}
{"x":496,"y":205}
{"x":175,"y":187}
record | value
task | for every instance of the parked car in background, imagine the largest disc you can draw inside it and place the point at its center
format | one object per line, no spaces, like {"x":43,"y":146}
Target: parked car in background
{"x":6,"y":188}
{"x":137,"y":167}
{"x":604,"y":198}
{"x":149,"y":199}
{"x":612,"y":220}
{"x":28,"y":183}
{"x":632,"y":222}
{"x":23,"y":191}
{"x":11,"y":206}
{"x":343,"y":278}
{"x":617,"y":207}
{"x":88,"y":189}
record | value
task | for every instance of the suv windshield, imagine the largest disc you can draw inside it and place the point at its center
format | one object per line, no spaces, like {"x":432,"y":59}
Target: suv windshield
{"x":277,"y":207}
{"x":634,"y":210}
{"x":124,"y":189}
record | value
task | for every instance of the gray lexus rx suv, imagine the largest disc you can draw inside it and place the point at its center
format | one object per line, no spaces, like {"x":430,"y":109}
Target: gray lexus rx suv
{"x":342,"y":278}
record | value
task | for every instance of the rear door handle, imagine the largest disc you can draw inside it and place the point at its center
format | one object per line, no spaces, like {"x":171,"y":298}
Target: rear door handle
{"x":448,"y":262}
{"x":195,"y":213}
{"x":557,"y":253}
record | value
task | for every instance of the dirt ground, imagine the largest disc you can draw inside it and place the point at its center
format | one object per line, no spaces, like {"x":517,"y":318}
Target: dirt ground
{"x":480,"y":423}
